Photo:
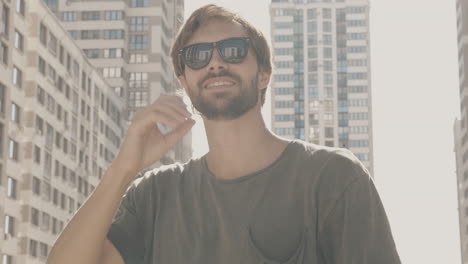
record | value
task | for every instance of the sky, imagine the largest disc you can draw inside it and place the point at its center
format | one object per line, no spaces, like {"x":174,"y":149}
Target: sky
{"x":415,"y":102}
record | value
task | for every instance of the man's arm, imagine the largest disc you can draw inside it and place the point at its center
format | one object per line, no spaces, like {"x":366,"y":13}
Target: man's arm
{"x":84,"y":238}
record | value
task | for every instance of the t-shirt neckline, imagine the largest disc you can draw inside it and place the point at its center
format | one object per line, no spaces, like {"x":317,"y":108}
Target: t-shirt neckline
{"x":212,"y":177}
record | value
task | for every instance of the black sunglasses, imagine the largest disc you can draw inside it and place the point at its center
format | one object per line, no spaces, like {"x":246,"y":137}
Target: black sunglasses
{"x":197,"y":56}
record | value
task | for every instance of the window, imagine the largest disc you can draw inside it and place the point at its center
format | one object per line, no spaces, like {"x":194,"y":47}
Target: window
{"x":138,"y":99}
{"x":41,"y":65}
{"x":357,"y":76}
{"x":11,"y":188}
{"x":41,"y":95}
{"x":139,"y":3}
{"x":138,"y":42}
{"x":73,"y":34}
{"x":91,"y":53}
{"x":357,"y":49}
{"x":45,"y":221}
{"x":356,"y":9}
{"x":327,"y":53}
{"x":34,"y":216}
{"x":356,"y":36}
{"x":15,"y":114}
{"x":327,"y":26}
{"x":113,"y":34}
{"x":313,"y":66}
{"x":2,"y":98}
{"x":311,"y":27}
{"x":90,"y":34}
{"x":90,"y":15}
{"x":328,"y":78}
{"x":9,"y":225}
{"x":327,"y":13}
{"x":113,"y":15}
{"x":327,"y":39}
{"x":19,"y":41}
{"x":13,"y":149}
{"x":33,"y":248}
{"x":71,"y":205}
{"x":43,"y":34}
{"x":113,"y":53}
{"x":76,"y":71}
{"x":55,"y":195}
{"x":17,"y":77}
{"x":69,"y":16}
{"x":5,"y":22}
{"x":312,"y":40}
{"x":37,"y":154}
{"x":52,"y":74}
{"x":51,"y":3}
{"x":52,"y":44}
{"x":313,"y":79}
{"x":44,"y":248}
{"x":311,"y":14}
{"x":139,"y":23}
{"x":359,"y":143}
{"x":139,"y":58}
{"x":112,"y":72}
{"x":138,"y":80}
{"x":312,"y":53}
{"x":20,"y":7}
{"x":62,"y":201}
{"x":3,"y":53}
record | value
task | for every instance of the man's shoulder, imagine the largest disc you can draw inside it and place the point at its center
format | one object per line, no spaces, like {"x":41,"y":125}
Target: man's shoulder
{"x":330,"y":161}
{"x":166,"y":173}
{"x":328,"y":154}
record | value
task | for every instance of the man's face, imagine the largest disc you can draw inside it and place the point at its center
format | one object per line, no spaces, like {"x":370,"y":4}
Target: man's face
{"x":220,"y":90}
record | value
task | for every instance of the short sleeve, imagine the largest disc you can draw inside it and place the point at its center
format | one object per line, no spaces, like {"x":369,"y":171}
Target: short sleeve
{"x":126,"y":229}
{"x":356,"y":228}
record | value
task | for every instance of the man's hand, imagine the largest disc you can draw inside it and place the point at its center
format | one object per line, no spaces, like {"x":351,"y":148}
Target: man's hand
{"x":144,"y":143}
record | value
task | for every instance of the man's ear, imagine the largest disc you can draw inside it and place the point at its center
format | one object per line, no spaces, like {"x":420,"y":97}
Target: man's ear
{"x":263,"y":79}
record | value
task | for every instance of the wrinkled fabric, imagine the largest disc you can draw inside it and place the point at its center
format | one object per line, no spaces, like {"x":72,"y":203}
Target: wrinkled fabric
{"x":314,"y":205}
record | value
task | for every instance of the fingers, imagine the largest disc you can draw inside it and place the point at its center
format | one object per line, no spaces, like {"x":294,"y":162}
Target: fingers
{"x":174,"y":136}
{"x":166,"y":110}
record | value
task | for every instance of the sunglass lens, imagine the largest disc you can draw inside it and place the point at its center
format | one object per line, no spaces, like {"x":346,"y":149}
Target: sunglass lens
{"x":197,"y":56}
{"x":233,"y":50}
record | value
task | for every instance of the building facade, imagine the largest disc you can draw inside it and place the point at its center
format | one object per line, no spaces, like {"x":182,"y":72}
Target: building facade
{"x":460,"y":128}
{"x":61,"y":124}
{"x":129,"y":42}
{"x":321,"y":88}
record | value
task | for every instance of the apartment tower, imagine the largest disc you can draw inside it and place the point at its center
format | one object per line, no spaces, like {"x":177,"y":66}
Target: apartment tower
{"x":129,"y":42}
{"x":61,"y":124}
{"x":460,"y":128}
{"x":321,"y":88}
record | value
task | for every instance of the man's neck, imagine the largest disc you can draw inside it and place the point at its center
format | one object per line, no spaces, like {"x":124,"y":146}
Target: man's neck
{"x":241,"y":146}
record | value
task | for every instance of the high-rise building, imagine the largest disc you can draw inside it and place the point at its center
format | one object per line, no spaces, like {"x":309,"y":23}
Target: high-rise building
{"x":129,"y":42}
{"x":321,"y":87}
{"x":61,"y":125}
{"x":460,"y":128}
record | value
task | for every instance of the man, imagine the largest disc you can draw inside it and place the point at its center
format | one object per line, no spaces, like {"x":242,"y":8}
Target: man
{"x":253,"y":198}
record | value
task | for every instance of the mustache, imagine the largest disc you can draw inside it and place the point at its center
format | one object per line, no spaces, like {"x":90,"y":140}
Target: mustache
{"x":223,"y":73}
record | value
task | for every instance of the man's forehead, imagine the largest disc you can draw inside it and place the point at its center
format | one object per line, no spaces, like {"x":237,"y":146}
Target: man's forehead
{"x":215,"y":30}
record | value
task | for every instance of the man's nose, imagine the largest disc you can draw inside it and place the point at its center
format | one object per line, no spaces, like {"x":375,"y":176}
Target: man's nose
{"x":216,"y":63}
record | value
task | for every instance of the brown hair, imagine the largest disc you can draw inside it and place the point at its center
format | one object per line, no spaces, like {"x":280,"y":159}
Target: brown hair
{"x":209,"y":12}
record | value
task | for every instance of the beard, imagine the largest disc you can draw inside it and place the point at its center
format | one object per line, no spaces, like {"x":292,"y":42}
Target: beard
{"x":223,"y":105}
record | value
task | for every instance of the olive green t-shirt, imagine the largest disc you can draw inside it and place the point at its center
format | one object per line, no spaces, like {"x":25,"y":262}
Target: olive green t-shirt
{"x":314,"y":205}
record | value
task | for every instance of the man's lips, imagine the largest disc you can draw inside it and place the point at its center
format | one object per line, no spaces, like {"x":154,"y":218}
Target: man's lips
{"x":218,"y":82}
